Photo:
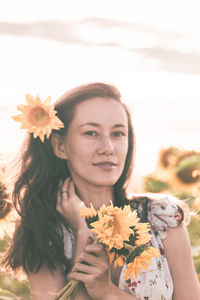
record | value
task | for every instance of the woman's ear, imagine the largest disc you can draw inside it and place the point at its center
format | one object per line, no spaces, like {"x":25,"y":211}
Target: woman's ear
{"x":58,"y":147}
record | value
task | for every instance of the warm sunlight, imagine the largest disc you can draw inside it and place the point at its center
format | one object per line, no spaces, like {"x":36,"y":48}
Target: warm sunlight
{"x":50,"y":46}
{"x":149,"y":50}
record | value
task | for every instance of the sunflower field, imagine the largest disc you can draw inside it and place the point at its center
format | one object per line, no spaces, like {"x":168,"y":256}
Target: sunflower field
{"x":177,"y":172}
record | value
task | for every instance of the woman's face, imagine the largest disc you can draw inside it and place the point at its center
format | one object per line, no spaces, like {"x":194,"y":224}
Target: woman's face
{"x":96,"y":143}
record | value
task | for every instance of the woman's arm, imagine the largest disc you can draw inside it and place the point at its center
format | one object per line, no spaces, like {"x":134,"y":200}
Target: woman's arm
{"x":179,"y":256}
{"x":116,"y":293}
{"x":69,"y":205}
{"x":45,"y":284}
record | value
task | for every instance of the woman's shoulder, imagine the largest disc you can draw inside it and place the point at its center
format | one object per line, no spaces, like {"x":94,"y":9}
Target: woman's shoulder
{"x":162,"y":211}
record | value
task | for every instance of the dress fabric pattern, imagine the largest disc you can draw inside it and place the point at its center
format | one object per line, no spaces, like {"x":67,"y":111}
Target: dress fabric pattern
{"x":162,"y":212}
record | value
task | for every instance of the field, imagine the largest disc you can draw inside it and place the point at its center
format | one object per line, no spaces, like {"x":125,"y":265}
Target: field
{"x":177,"y":173}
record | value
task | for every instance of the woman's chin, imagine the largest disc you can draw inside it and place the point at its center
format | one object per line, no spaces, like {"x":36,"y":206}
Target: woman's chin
{"x":104,"y":182}
{"x":96,"y":181}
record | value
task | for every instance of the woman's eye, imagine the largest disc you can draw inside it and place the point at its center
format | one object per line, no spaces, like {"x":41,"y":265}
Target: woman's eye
{"x":119,"y":133}
{"x":91,"y":133}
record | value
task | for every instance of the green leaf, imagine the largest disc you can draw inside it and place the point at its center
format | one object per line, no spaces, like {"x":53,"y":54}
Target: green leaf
{"x":154,"y":186}
{"x":190,"y":161}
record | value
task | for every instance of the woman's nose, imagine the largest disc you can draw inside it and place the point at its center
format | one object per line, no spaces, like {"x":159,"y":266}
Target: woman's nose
{"x":106,"y":147}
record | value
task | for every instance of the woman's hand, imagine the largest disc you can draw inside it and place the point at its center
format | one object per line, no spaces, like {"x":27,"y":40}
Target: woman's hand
{"x":69,"y":205}
{"x":93,"y":269}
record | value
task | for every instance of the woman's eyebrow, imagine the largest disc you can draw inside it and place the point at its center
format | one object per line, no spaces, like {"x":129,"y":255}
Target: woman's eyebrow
{"x":91,"y":124}
{"x":98,"y":125}
{"x":120,"y":125}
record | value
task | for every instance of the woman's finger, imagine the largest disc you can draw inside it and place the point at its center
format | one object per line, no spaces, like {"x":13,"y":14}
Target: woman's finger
{"x":85,"y":268}
{"x":61,"y":191}
{"x":96,"y":249}
{"x":60,"y":184}
{"x":92,"y":259}
{"x":65,"y":186}
{"x":87,"y":258}
{"x":71,"y":190}
{"x":64,"y":194}
{"x":58,"y":204}
{"x":72,"y":194}
{"x":85,"y":278}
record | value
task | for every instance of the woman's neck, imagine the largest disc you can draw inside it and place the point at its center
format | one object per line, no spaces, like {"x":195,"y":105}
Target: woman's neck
{"x":97,"y":195}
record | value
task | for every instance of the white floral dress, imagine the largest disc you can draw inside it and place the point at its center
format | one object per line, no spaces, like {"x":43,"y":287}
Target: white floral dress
{"x":162,"y":212}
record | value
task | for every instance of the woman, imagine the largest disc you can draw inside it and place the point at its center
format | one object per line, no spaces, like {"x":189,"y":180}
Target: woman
{"x":90,"y":160}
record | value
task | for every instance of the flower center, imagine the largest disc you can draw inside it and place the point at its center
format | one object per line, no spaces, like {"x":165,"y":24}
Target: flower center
{"x":39,"y":117}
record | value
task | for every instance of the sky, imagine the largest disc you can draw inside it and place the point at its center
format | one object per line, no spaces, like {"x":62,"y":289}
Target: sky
{"x":149,"y":49}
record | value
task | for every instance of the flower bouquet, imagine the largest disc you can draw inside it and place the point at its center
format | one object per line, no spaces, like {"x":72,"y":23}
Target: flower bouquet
{"x":124,"y":238}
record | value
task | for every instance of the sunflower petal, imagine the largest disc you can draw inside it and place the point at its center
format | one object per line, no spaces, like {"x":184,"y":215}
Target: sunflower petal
{"x":47,"y":101}
{"x":38,"y":117}
{"x":21,"y":107}
{"x":18,"y":118}
{"x":29,"y":99}
{"x":41,"y":136}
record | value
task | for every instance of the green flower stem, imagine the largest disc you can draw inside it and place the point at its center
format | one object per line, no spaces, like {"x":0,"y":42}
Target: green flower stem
{"x":134,"y":251}
{"x":69,"y":290}
{"x":129,"y":247}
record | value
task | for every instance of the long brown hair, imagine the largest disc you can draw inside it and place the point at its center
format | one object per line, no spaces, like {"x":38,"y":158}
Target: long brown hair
{"x":38,"y":239}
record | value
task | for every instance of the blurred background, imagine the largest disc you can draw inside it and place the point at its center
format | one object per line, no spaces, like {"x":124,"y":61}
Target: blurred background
{"x":149,"y":49}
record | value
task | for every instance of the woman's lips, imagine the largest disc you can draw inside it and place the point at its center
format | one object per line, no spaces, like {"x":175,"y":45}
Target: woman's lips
{"x":105,"y":165}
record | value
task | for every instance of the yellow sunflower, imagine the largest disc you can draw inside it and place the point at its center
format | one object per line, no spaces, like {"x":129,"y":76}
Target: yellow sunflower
{"x":143,"y":235}
{"x":118,"y":259}
{"x":7,"y":225}
{"x":113,"y":226}
{"x":88,"y":212}
{"x":140,"y":262}
{"x":38,"y":117}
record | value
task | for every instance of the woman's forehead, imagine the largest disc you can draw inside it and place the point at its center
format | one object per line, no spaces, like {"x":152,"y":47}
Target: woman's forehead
{"x":100,"y":110}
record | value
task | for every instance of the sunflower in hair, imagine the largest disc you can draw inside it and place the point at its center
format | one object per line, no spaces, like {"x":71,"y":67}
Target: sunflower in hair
{"x":38,"y":117}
